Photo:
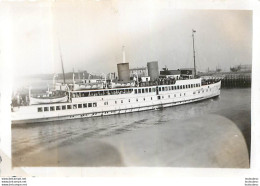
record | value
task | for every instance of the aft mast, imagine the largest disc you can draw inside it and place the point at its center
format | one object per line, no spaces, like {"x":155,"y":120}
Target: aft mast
{"x":194,"y":31}
{"x":62,"y":66}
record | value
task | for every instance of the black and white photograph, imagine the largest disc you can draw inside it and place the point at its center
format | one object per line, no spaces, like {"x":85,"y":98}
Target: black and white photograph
{"x":119,"y":83}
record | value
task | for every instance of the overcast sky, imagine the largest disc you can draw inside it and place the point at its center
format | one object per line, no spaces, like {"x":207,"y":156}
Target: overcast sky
{"x":91,"y":35}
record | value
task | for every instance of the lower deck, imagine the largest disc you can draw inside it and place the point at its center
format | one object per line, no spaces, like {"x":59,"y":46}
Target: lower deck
{"x":109,"y":112}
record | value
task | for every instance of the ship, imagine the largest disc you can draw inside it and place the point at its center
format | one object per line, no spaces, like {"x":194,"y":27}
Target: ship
{"x":118,"y":96}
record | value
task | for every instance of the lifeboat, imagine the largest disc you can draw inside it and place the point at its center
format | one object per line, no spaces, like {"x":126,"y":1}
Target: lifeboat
{"x":51,"y":97}
{"x":46,"y":100}
{"x":85,"y":86}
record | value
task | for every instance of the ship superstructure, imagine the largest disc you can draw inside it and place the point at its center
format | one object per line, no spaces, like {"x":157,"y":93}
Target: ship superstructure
{"x":90,"y":103}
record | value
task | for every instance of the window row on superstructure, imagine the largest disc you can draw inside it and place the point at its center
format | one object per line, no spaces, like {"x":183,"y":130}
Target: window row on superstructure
{"x":66,"y":107}
{"x":144,"y":90}
{"x":122,"y":101}
{"x":102,"y":93}
{"x":165,"y":88}
{"x":130,"y":90}
{"x":178,"y":87}
{"x":133,"y":100}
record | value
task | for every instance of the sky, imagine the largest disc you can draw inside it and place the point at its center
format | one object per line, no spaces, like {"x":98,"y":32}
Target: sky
{"x":91,"y":33}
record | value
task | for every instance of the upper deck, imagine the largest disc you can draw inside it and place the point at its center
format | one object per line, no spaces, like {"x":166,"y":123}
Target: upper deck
{"x":179,"y":84}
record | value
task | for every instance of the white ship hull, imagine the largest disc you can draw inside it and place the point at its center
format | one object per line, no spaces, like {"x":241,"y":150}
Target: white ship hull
{"x":118,"y":104}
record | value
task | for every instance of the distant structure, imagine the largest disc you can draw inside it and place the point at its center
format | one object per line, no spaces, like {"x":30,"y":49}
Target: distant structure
{"x":170,"y":73}
{"x":189,"y":72}
{"x":140,"y":71}
{"x":183,"y":72}
{"x":241,"y":68}
{"x":111,"y":75}
{"x":218,"y":69}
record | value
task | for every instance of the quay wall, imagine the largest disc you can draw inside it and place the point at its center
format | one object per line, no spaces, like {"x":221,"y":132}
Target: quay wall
{"x":232,"y":80}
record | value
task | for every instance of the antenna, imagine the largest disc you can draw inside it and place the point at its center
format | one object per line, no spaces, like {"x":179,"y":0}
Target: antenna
{"x":62,"y":64}
{"x":73,"y":77}
{"x":123,"y":51}
{"x":194,"y":31}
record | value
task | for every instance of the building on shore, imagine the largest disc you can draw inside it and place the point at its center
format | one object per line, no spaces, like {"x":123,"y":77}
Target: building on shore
{"x":241,"y":68}
{"x":139,"y":71}
{"x":183,"y":72}
{"x":187,"y":72}
{"x":170,"y":73}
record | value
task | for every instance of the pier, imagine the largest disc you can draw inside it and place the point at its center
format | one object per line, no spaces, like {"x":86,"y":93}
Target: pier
{"x":231,"y":79}
{"x":237,"y":81}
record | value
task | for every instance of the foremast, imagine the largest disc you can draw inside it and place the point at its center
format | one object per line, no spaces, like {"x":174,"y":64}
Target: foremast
{"x":194,"y":31}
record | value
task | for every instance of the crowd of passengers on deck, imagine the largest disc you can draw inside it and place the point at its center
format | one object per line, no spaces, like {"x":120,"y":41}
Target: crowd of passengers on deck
{"x":130,"y":90}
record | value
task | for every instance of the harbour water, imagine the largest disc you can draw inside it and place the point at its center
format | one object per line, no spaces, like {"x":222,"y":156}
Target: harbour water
{"x":27,"y":139}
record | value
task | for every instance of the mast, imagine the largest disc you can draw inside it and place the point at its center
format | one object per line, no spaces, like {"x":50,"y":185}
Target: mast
{"x":73,"y":77}
{"x":62,"y":65}
{"x":123,"y":53}
{"x":194,"y":31}
{"x":79,"y":75}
